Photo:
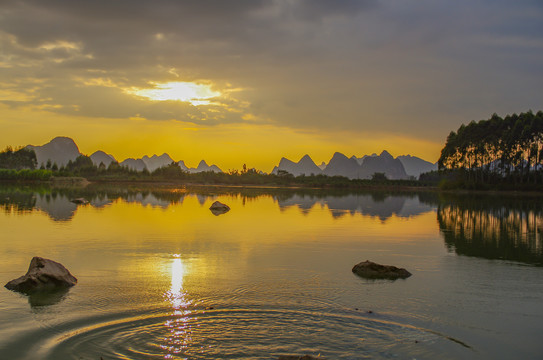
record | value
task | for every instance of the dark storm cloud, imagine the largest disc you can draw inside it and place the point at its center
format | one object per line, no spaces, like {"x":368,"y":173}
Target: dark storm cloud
{"x":202,"y":18}
{"x":319,"y":9}
{"x":410,"y":66}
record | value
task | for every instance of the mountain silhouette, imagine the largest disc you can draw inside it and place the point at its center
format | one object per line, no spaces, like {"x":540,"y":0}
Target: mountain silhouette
{"x":202,"y":166}
{"x":100,"y":157}
{"x":415,"y":166}
{"x":358,"y":168}
{"x":305,"y":166}
{"x":384,"y":163}
{"x":154,"y":162}
{"x":341,"y":165}
{"x":63,"y":149}
{"x":60,"y":151}
{"x":182,"y":165}
{"x":134,"y":164}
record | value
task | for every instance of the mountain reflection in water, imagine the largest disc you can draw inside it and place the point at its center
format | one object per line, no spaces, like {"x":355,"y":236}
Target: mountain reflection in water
{"x":491,"y":227}
{"x":58,"y":206}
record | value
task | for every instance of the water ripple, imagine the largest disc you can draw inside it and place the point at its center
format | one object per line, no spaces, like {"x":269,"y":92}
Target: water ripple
{"x":255,"y":332}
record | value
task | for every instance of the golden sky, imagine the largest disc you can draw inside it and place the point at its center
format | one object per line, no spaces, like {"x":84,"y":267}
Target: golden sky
{"x":251,"y":81}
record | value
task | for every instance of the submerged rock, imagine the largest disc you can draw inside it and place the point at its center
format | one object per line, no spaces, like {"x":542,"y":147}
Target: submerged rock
{"x":54,"y":296}
{"x":218,"y":208}
{"x":371,"y":270}
{"x":42,"y":274}
{"x":303,"y":357}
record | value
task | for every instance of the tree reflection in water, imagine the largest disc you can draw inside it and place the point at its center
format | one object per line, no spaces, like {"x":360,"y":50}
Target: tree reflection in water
{"x":509,"y":229}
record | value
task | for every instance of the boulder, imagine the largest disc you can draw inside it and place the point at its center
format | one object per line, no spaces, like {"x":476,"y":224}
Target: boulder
{"x":218,"y":208}
{"x":217,"y":205}
{"x":42,"y":274}
{"x":371,"y":270}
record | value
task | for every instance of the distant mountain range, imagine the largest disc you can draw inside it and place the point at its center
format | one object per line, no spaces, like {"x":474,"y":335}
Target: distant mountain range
{"x":403,"y":167}
{"x":61,"y":150}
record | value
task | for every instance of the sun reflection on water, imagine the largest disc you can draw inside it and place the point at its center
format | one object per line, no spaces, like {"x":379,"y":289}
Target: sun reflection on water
{"x":179,"y":325}
{"x":176,"y":294}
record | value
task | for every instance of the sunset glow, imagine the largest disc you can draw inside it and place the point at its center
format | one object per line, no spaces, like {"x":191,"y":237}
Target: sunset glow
{"x":252,"y":82}
{"x":196,"y":94}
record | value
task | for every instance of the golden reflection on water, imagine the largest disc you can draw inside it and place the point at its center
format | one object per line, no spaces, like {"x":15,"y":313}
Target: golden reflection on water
{"x":178,"y":326}
{"x":176,"y":293}
{"x":512,"y":233}
{"x":268,"y":250}
{"x":118,"y":234}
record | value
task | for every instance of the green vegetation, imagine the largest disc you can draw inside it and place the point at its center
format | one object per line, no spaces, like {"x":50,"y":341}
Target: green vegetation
{"x":25,"y":175}
{"x":17,"y":159}
{"x":20,"y":165}
{"x":495,"y":154}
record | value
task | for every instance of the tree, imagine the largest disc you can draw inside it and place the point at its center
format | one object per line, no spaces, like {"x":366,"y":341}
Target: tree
{"x":21,"y":158}
{"x":379,"y":177}
{"x":172,"y":171}
{"x":497,"y":150}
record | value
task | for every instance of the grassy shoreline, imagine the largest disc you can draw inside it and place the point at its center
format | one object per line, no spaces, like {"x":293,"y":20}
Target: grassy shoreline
{"x":300,"y":183}
{"x":294,"y":186}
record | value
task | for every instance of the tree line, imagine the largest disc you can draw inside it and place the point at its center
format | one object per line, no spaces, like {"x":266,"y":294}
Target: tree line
{"x":497,"y":151}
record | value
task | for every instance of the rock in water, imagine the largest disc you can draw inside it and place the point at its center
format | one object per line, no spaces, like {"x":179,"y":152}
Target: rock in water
{"x":81,"y":201}
{"x":218,"y":208}
{"x":304,"y":357}
{"x":371,"y":270}
{"x":42,"y":274}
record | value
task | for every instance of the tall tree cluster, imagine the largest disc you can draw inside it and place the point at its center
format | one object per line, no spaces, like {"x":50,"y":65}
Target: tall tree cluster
{"x":22,"y":158}
{"x":508,"y":149}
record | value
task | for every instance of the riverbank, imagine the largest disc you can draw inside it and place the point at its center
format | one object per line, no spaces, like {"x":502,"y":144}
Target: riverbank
{"x":258,"y":182}
{"x":294,"y":186}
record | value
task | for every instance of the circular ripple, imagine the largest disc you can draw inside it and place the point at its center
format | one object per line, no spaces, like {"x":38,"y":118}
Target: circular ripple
{"x":241,"y":333}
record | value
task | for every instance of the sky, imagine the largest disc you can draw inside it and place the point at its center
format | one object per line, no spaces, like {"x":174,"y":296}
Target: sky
{"x":251,"y":81}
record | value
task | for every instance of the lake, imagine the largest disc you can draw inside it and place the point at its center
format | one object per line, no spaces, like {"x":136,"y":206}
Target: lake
{"x":162,"y":277}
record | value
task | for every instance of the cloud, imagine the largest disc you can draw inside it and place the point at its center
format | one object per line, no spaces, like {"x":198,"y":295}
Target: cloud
{"x":415,"y":67}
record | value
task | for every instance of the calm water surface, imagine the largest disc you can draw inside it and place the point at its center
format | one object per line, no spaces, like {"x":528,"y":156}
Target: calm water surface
{"x":161,"y":277}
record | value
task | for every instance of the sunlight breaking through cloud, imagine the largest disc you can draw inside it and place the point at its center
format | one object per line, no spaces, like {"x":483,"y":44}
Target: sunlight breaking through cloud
{"x":194,"y":93}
